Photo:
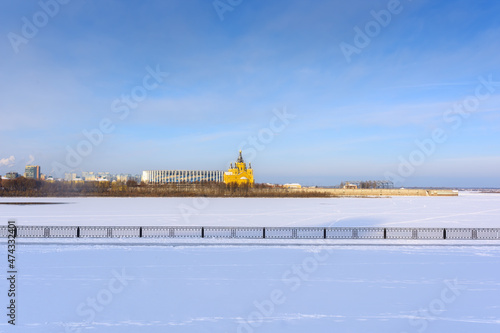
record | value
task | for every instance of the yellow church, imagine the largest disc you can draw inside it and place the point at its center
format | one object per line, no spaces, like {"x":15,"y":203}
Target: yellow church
{"x":240,"y":174}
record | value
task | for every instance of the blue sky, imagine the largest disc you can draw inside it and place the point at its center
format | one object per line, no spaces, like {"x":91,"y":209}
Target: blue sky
{"x":233,"y":68}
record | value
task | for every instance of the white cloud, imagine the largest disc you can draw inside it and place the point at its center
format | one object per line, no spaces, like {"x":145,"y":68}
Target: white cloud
{"x":9,"y":161}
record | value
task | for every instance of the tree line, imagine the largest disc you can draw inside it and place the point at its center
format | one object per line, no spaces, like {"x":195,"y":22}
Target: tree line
{"x":25,"y":187}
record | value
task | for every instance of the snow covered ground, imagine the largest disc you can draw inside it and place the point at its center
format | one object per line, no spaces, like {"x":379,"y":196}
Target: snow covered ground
{"x":257,"y":289}
{"x":79,"y":285}
{"x":466,"y":210}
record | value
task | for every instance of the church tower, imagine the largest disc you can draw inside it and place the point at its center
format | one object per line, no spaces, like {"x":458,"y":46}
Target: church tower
{"x":240,"y":174}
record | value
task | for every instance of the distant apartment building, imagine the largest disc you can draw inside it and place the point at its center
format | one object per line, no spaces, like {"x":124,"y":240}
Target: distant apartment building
{"x":11,"y":175}
{"x":72,"y":177}
{"x":90,"y":176}
{"x":32,"y":171}
{"x":123,"y":178}
{"x":69,"y":176}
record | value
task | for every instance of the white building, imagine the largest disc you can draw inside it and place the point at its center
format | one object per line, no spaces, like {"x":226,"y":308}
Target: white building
{"x":181,"y":176}
{"x":90,"y":176}
{"x":70,"y":176}
{"x":123,"y":177}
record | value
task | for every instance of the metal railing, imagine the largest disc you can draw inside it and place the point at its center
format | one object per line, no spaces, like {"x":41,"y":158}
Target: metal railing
{"x":250,"y":232}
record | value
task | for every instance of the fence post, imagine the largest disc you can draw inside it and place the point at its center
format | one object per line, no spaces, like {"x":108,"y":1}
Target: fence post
{"x":263,"y":232}
{"x":414,"y":234}
{"x":444,"y":233}
{"x":474,"y":233}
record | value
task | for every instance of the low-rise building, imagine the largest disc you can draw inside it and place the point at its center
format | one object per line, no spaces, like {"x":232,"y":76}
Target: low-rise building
{"x":181,"y":176}
{"x":11,"y":175}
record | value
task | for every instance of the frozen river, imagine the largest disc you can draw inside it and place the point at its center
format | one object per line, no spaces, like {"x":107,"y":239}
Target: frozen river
{"x":257,"y":289}
{"x":78,"y":286}
{"x":466,"y":210}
